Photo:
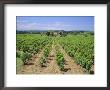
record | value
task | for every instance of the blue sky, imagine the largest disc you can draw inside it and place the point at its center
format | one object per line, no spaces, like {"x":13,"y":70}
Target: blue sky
{"x":67,"y":23}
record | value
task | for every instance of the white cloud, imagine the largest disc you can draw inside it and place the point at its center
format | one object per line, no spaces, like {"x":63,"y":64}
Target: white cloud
{"x":43,"y":26}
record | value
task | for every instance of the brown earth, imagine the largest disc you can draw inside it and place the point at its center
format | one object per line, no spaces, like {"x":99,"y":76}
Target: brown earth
{"x":33,"y":65}
{"x":51,"y":67}
{"x":70,"y":66}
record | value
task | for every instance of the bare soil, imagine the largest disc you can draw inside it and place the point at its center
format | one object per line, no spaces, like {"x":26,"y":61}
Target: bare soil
{"x":33,"y":66}
{"x":70,"y":66}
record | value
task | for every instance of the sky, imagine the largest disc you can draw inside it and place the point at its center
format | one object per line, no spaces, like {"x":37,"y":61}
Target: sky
{"x":67,"y":23}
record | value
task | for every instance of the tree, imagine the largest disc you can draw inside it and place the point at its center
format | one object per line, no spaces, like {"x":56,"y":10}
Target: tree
{"x":47,"y":33}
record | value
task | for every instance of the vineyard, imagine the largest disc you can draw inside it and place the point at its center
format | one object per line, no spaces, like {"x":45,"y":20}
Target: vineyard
{"x":41,"y":54}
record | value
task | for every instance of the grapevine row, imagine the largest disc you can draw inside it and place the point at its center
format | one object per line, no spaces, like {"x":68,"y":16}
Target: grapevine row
{"x":59,"y":58}
{"x":80,"y":48}
{"x":28,"y":45}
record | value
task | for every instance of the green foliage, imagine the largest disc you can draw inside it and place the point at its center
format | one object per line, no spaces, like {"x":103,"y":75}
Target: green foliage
{"x":42,"y":61}
{"x":24,"y":56}
{"x":28,"y":44}
{"x":81,"y":48}
{"x":60,"y":60}
{"x":46,"y":52}
{"x":19,"y":63}
{"x":31,"y":43}
{"x":45,"y":55}
{"x":78,"y":46}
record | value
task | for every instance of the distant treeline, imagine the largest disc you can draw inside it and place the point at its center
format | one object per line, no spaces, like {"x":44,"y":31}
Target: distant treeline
{"x":55,"y":33}
{"x":27,"y":32}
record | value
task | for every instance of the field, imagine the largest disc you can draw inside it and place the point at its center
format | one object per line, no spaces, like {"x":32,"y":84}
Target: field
{"x":44,"y":54}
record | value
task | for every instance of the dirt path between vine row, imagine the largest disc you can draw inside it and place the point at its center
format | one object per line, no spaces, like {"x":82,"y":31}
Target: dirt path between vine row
{"x":51,"y":66}
{"x":33,"y":67}
{"x":70,"y":66}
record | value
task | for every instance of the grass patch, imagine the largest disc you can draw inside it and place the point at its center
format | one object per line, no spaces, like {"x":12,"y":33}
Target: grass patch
{"x":19,"y":63}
